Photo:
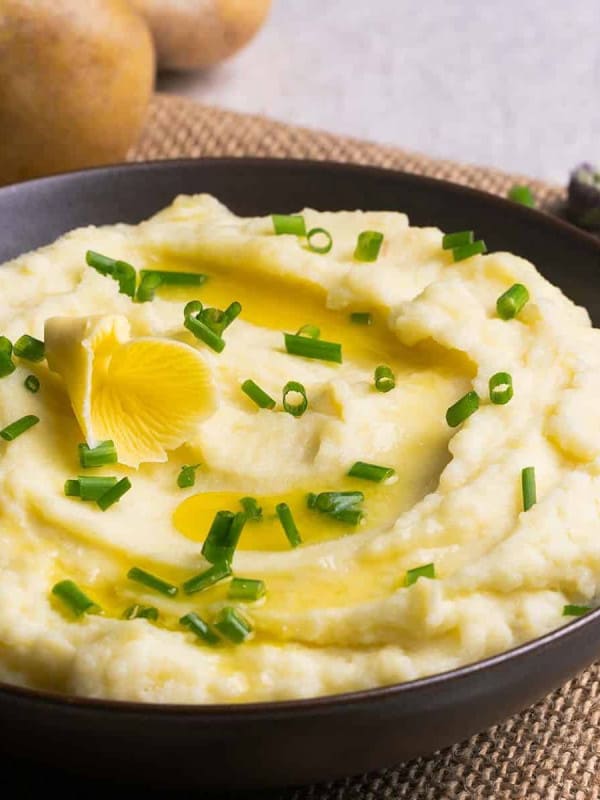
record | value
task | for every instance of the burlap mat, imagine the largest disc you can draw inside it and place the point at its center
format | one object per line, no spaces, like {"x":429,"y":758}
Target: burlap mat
{"x":549,"y":752}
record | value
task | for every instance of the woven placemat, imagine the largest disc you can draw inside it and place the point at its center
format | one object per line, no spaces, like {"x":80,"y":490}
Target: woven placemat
{"x":550,"y":751}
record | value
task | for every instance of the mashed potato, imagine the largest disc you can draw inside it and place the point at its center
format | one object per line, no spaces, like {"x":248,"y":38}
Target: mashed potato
{"x":344,"y":610}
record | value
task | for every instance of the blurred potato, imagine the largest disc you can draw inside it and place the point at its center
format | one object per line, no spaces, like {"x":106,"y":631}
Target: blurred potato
{"x":191,"y":34}
{"x":76,"y":77}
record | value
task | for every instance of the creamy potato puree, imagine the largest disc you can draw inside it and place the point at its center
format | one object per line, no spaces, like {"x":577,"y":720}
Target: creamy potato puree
{"x":337,"y":615}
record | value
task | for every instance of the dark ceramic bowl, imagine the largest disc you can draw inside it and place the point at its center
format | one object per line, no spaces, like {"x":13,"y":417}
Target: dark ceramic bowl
{"x":269,"y":744}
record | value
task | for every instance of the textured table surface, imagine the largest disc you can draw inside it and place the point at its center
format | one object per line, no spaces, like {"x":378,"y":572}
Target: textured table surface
{"x":513,"y":85}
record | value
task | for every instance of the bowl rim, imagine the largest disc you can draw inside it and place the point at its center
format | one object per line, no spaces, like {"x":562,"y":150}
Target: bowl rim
{"x":322,"y":703}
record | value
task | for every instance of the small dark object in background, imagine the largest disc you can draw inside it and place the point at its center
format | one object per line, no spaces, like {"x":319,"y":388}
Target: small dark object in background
{"x":583,"y":207}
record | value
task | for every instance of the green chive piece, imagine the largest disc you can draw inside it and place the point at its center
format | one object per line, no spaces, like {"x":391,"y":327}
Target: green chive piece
{"x":329,"y":502}
{"x":319,"y":234}
{"x":522,"y":194}
{"x":361,"y":318}
{"x":126,"y":276}
{"x":102,"y":264}
{"x":232,"y":311}
{"x":384,"y":378}
{"x":7,"y":366}
{"x":352,"y":516}
{"x":29,"y":348}
{"x":246,"y":589}
{"x":99,"y":456}
{"x":88,"y":488}
{"x":512,"y":301}
{"x":413,"y":575}
{"x":149,"y":283}
{"x":528,"y":487}
{"x":299,"y":407}
{"x":251,"y":508}
{"x":187,"y":476}
{"x":168,"y":278}
{"x":465,"y":251}
{"x":458,"y":239}
{"x":501,"y":388}
{"x":370,"y":472}
{"x":152,"y":581}
{"x":258,"y":395}
{"x":287,"y":523}
{"x":289,"y":223}
{"x":193,"y":308}
{"x":368,"y":246}
{"x":32,"y":384}
{"x":202,"y":332}
{"x":141,"y":612}
{"x":462,"y":409}
{"x":6,"y":347}
{"x":18,"y":427}
{"x":232,"y":625}
{"x":575,"y":611}
{"x":72,"y":596}
{"x":223,"y":536}
{"x":114,"y":494}
{"x":312,"y":331}
{"x":207,"y":578}
{"x":311,"y":500}
{"x":313,"y":348}
{"x":198,"y":626}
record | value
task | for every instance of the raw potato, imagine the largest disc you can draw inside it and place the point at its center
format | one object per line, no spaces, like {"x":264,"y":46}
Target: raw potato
{"x":75,"y":81}
{"x":191,"y":34}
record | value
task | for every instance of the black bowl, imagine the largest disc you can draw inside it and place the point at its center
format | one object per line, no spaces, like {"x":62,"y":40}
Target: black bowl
{"x":268,"y":744}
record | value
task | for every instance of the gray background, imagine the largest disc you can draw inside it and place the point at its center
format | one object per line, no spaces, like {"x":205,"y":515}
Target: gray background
{"x":511,"y":83}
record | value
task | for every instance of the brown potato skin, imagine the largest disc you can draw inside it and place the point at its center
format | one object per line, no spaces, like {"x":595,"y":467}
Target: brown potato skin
{"x":76,"y":77}
{"x":193,"y":34}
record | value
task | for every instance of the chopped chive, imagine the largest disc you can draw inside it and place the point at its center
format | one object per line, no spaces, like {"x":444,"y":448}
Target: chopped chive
{"x":126,"y":277}
{"x":102,"y":264}
{"x":194,"y":307}
{"x":258,"y":395}
{"x":7,"y":366}
{"x":521,"y":194}
{"x":313,"y":348}
{"x":18,"y":427}
{"x":311,"y":500}
{"x":149,"y":283}
{"x":289,"y":223}
{"x":462,"y":409}
{"x":232,"y":311}
{"x":232,"y":625}
{"x":528,"y":487}
{"x":141,"y":612}
{"x":512,"y":301}
{"x":205,"y":334}
{"x":99,"y":456}
{"x":32,"y":383}
{"x":368,"y":246}
{"x":288,"y":524}
{"x":319,"y":233}
{"x":198,"y":626}
{"x":350,"y":515}
{"x":329,"y":502}
{"x":251,"y":508}
{"x":187,"y":476}
{"x":384,"y":378}
{"x":223,"y":536}
{"x":168,"y":278}
{"x":298,"y":408}
{"x":413,"y":575}
{"x":114,"y":494}
{"x":152,"y":581}
{"x":370,"y":472}
{"x":575,"y":611}
{"x":29,"y":348}
{"x":501,"y":388}
{"x":458,"y":239}
{"x":74,"y":598}
{"x":207,"y":578}
{"x":246,"y":589}
{"x":312,"y":331}
{"x":6,"y":347}
{"x":465,"y":251}
{"x":88,"y":488}
{"x":361,"y":318}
